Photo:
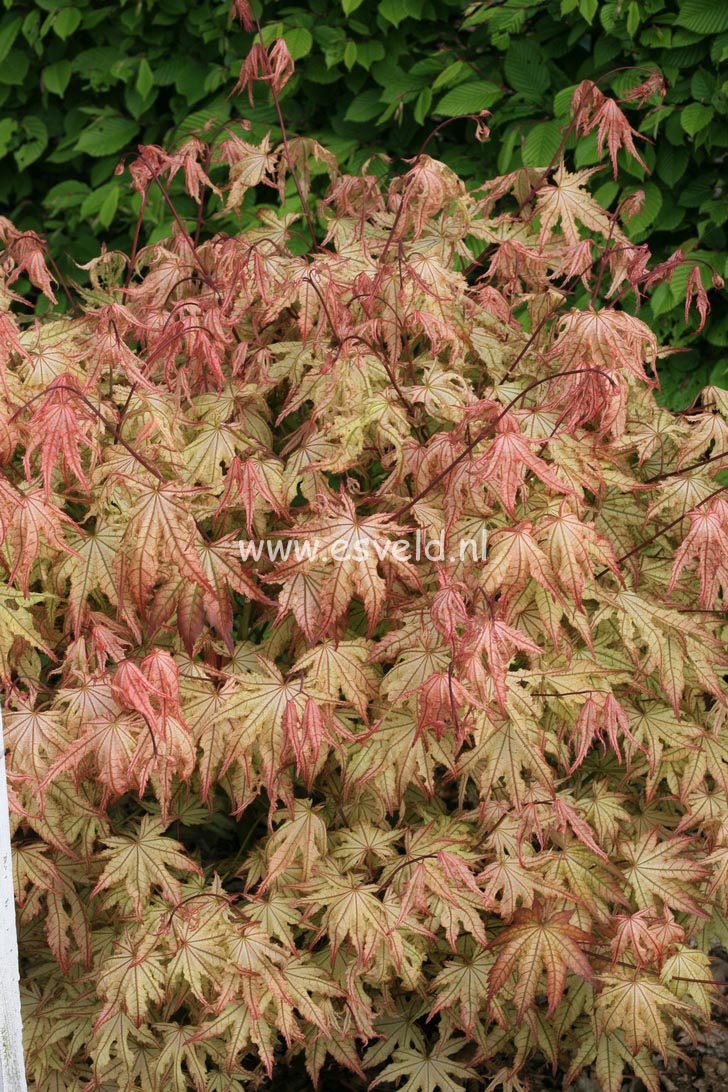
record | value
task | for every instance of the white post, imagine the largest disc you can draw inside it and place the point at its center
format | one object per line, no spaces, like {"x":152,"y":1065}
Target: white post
{"x":12,"y":1066}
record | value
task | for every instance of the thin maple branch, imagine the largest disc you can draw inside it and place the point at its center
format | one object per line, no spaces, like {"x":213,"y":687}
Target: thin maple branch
{"x":182,"y":228}
{"x":487,"y":431}
{"x":131,"y":261}
{"x":62,"y":281}
{"x":402,"y":204}
{"x":110,"y":425}
{"x":684,"y":469}
{"x":662,"y":531}
{"x":284,"y":133}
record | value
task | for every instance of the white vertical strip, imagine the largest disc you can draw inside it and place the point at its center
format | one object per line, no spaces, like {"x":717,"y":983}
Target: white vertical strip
{"x":12,"y":1066}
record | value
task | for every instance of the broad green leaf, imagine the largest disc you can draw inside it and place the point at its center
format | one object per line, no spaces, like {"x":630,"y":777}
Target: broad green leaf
{"x":8,"y":33}
{"x":56,"y":77}
{"x":394,"y":11}
{"x":422,"y":105}
{"x":217,"y":112}
{"x":369,"y":52}
{"x":454,"y":73}
{"x":695,"y":117}
{"x":14,"y":68}
{"x":468,"y":98}
{"x":66,"y":194}
{"x":702,"y":85}
{"x":106,"y":136}
{"x":541,"y":144}
{"x":66,"y":22}
{"x":588,"y":9}
{"x":672,"y":163}
{"x":703,"y":16}
{"x":562,"y":101}
{"x":364,"y":107}
{"x":526,"y":69}
{"x":35,"y":145}
{"x":299,"y":41}
{"x":8,"y":128}
{"x":145,"y":78}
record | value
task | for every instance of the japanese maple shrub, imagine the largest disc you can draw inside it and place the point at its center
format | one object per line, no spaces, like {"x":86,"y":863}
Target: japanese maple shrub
{"x":423,"y":815}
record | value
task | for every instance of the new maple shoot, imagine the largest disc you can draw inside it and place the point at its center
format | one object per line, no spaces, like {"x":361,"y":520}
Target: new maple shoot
{"x":380,"y":814}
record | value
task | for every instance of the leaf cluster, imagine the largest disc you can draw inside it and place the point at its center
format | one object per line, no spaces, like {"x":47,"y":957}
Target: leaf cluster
{"x":82,"y":84}
{"x":418,"y":817}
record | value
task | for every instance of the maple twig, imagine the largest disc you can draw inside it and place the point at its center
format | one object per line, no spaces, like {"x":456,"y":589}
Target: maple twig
{"x":403,"y":864}
{"x":485,"y":432}
{"x":113,"y":428}
{"x":183,"y":230}
{"x":385,"y":364}
{"x":663,"y":531}
{"x":284,"y":132}
{"x":684,"y":469}
{"x":402,"y":205}
{"x":62,"y":281}
{"x":137,"y":232}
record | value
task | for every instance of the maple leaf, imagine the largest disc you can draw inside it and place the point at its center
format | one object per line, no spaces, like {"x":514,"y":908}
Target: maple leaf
{"x":540,"y":939}
{"x":356,"y":547}
{"x":664,"y":873}
{"x":90,"y":570}
{"x":18,"y":626}
{"x":131,"y":978}
{"x":397,"y":756}
{"x":506,"y":462}
{"x":352,"y":911}
{"x":160,"y":528}
{"x":67,"y":924}
{"x":302,"y":986}
{"x":661,"y":631}
{"x":463,"y":982}
{"x":593,"y":110}
{"x":143,"y":861}
{"x":606,"y":338}
{"x":26,"y":252}
{"x":33,"y":738}
{"x":342,"y":668}
{"x":689,"y":975}
{"x":59,"y":427}
{"x":178,"y":1048}
{"x":707,"y":543}
{"x":33,"y":867}
{"x":33,"y":520}
{"x":251,"y":164}
{"x":509,"y":751}
{"x":119,"y":1034}
{"x":489,"y":635}
{"x":514,"y":556}
{"x":572,"y":546}
{"x":112,"y":741}
{"x":264,"y":709}
{"x":302,"y":838}
{"x":646,"y":935}
{"x":636,"y":1005}
{"x":428,"y":1071}
{"x":568,"y":202}
{"x":198,"y":934}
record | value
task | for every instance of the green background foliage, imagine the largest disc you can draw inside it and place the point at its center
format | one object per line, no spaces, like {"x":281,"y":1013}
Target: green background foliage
{"x":81,"y":85}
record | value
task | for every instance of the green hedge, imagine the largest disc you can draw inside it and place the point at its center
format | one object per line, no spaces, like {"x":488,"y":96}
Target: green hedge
{"x":80,"y":85}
